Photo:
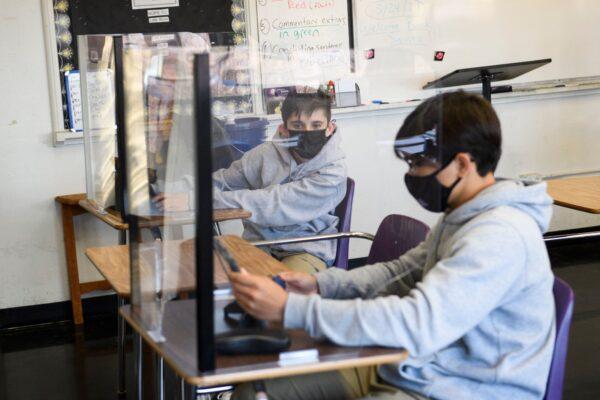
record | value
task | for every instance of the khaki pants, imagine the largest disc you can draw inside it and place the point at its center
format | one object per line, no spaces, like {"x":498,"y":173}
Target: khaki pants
{"x":302,"y":262}
{"x":354,"y":383}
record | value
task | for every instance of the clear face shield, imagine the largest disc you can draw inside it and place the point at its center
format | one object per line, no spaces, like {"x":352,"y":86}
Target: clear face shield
{"x":420,"y":152}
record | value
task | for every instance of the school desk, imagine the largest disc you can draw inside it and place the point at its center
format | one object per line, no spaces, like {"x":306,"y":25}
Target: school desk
{"x":179,"y":351}
{"x":113,"y":264}
{"x":180,"y":348}
{"x":579,"y":193}
{"x":77,"y":204}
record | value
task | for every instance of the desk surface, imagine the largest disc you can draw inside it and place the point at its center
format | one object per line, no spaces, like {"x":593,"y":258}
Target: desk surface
{"x":110,"y":217}
{"x":113,"y":263}
{"x":179,"y":351}
{"x":579,"y":193}
{"x":70,"y":199}
{"x":113,"y":218}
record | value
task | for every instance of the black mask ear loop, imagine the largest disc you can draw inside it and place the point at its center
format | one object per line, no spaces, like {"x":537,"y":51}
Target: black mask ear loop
{"x":451,"y":187}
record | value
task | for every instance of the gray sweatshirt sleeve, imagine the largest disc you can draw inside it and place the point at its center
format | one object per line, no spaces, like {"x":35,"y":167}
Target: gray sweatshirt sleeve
{"x":289,"y":203}
{"x":370,"y":280}
{"x":458,"y":293}
{"x":232,"y":178}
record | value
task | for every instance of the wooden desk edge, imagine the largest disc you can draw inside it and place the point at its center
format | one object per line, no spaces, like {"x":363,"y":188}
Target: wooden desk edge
{"x":111,"y":220}
{"x":397,"y":355}
{"x":70,"y":199}
{"x":554,"y":191}
{"x":120,"y":293}
{"x":293,"y":370}
{"x":576,"y":207}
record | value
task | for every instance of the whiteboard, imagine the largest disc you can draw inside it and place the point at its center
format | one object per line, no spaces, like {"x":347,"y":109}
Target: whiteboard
{"x":406,"y":33}
{"x":303,"y":41}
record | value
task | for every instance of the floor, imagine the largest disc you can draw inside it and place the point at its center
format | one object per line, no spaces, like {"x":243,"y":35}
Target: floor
{"x":58,"y":362}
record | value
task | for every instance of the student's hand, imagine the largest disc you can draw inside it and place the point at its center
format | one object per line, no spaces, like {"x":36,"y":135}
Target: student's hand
{"x":300,"y":282}
{"x":172,"y":202}
{"x":259,"y":296}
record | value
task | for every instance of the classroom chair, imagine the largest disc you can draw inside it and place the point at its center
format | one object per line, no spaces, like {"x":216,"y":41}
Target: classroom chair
{"x":395,"y":236}
{"x":564,"y":299}
{"x":344,"y":212}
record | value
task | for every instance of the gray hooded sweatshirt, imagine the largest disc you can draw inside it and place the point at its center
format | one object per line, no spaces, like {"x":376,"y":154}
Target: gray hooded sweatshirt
{"x":476,"y":314}
{"x":287,"y":199}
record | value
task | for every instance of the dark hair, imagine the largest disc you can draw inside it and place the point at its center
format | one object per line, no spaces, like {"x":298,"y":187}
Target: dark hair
{"x":464,"y":122}
{"x":305,"y":103}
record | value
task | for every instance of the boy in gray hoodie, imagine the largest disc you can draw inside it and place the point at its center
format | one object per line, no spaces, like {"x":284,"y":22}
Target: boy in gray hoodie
{"x":291,"y":184}
{"x":472,"y":304}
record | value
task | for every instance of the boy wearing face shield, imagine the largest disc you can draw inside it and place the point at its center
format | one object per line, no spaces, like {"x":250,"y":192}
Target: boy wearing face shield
{"x":472,"y":304}
{"x":291,"y":184}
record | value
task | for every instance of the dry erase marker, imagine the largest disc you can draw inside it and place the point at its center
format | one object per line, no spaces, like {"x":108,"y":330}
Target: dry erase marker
{"x":380,"y":102}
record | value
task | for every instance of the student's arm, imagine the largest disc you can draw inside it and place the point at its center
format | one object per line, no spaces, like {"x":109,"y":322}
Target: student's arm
{"x":232,"y":178}
{"x":453,"y":297}
{"x":370,"y":280}
{"x":289,"y":203}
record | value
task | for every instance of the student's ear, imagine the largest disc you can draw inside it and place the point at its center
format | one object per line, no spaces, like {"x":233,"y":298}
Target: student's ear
{"x":282,"y":131}
{"x":331,"y":128}
{"x":464,"y":164}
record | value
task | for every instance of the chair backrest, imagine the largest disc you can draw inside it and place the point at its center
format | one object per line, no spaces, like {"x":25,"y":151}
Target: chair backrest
{"x":563,"y":299}
{"x":395,"y":236}
{"x":344,"y":212}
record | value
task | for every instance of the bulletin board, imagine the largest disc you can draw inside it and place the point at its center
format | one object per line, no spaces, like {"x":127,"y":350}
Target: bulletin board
{"x":150,"y":16}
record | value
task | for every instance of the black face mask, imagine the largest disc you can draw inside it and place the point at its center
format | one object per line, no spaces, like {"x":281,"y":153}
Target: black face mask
{"x":310,"y":143}
{"x":429,"y":192}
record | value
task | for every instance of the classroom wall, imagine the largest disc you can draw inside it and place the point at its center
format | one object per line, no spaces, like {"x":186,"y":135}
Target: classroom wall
{"x":542,"y":135}
{"x":32,"y":171}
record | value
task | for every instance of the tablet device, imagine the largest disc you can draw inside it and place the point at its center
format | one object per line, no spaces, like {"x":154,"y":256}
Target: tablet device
{"x":227,"y":261}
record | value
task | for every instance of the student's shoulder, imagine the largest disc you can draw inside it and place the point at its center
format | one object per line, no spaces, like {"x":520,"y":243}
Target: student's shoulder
{"x":264,"y":151}
{"x":511,"y":223}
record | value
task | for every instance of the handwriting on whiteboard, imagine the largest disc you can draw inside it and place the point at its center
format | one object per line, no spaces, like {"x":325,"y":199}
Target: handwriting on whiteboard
{"x":395,"y":23}
{"x":298,"y":38}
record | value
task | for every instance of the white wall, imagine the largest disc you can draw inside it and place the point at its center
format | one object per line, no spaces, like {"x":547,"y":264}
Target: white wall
{"x":545,"y":135}
{"x":32,"y":171}
{"x":549,"y":135}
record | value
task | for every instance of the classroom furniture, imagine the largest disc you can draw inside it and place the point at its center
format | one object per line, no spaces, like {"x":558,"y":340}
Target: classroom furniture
{"x":486,"y":75}
{"x":70,"y":207}
{"x":395,"y":236}
{"x":113,"y":264}
{"x":179,"y":351}
{"x":77,"y":204}
{"x":344,"y":212}
{"x":564,"y":299}
{"x":579,"y":193}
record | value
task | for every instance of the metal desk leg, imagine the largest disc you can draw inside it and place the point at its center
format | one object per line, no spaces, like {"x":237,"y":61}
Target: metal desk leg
{"x":206,"y":393}
{"x":137,"y":351}
{"x":159,"y":377}
{"x":122,"y":390}
{"x":122,"y":237}
{"x":188,"y":392}
{"x":217,"y":229}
